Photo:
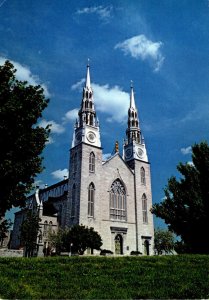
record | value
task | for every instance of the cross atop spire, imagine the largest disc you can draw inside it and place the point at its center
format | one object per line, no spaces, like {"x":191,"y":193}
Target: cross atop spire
{"x":88,"y":81}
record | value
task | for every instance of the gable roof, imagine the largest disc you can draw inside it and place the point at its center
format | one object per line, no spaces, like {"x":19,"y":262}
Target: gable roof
{"x":115,"y":156}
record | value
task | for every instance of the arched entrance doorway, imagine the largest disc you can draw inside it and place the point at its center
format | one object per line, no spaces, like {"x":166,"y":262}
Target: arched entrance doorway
{"x":146,"y":247}
{"x":118,"y":244}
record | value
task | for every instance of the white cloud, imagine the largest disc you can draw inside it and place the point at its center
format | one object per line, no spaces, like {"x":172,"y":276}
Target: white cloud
{"x":186,"y":151}
{"x":113,"y":101}
{"x":23,"y":73}
{"x":78,"y":85}
{"x":140,"y":47}
{"x":190,"y":163}
{"x":60,"y":174}
{"x":55,"y":127}
{"x":71,"y":115}
{"x":104,"y":13}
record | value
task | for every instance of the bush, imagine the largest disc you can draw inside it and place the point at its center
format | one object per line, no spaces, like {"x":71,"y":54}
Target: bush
{"x":105,"y":251}
{"x":135,"y":253}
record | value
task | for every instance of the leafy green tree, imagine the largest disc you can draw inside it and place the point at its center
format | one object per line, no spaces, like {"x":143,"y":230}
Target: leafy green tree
{"x":4,"y":228}
{"x":21,"y":140}
{"x":76,"y":239}
{"x":163,"y":241}
{"x":80,"y":238}
{"x":186,"y":205}
{"x":57,"y":240}
{"x":29,"y":231}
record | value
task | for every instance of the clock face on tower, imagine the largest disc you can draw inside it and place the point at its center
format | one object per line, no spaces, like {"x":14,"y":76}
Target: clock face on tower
{"x":140,"y":152}
{"x":91,"y":137}
{"x":128,"y":153}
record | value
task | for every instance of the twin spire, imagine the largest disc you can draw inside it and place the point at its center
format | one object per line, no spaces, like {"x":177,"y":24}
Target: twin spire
{"x":133,"y":132}
{"x":87,"y":113}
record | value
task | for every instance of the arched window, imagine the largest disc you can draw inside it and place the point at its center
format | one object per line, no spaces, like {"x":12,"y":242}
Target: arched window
{"x":50,"y":226}
{"x":45,"y":228}
{"x":144,"y":209}
{"x":91,"y":194}
{"x":118,"y":201}
{"x":73,"y":201}
{"x":92,"y":162}
{"x":143,"y":179}
{"x":40,"y":237}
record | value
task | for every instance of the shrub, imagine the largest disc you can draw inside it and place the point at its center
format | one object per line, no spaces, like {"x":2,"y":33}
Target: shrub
{"x":105,"y":251}
{"x":135,"y":253}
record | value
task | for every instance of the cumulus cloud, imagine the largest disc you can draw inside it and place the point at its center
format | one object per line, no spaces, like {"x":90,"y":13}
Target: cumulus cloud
{"x":186,"y":151}
{"x":23,"y":73}
{"x":104,"y":13}
{"x":55,"y":127}
{"x":140,"y":47}
{"x":71,"y":115}
{"x":78,"y":85}
{"x":110,"y":100}
{"x":60,"y":174}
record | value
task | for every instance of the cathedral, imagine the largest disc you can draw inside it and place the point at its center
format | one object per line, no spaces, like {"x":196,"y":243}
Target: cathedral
{"x":112,"y":196}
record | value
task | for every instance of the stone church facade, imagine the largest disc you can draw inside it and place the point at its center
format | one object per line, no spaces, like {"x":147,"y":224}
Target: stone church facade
{"x":113,"y":196}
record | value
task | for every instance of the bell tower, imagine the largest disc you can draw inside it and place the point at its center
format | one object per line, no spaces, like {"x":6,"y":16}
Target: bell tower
{"x":87,"y":125}
{"x":135,"y":155}
{"x":85,"y":162}
{"x":134,"y":145}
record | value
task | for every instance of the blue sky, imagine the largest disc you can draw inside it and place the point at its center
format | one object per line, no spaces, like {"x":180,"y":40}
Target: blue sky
{"x":163,"y":46}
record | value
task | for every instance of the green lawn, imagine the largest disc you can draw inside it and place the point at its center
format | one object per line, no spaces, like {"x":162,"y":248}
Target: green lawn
{"x":105,"y":277}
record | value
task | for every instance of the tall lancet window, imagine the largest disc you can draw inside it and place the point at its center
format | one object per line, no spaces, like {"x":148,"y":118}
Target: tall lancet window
{"x":144,"y":209}
{"x":92,"y":162}
{"x":73,"y":201}
{"x":143,"y":179}
{"x":91,"y":194}
{"x":118,"y":201}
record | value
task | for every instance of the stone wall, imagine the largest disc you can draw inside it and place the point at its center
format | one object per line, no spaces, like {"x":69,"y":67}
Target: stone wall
{"x":10,"y":253}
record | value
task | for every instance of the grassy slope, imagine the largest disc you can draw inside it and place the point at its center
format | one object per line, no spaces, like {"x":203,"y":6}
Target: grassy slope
{"x":105,"y":277}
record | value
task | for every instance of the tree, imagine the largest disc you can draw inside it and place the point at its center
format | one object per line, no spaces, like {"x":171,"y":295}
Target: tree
{"x":80,"y":238}
{"x":57,"y":239}
{"x":76,"y":239}
{"x":163,"y":241}
{"x":29,"y":231}
{"x":4,"y":228}
{"x":186,"y":205}
{"x":21,"y":140}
